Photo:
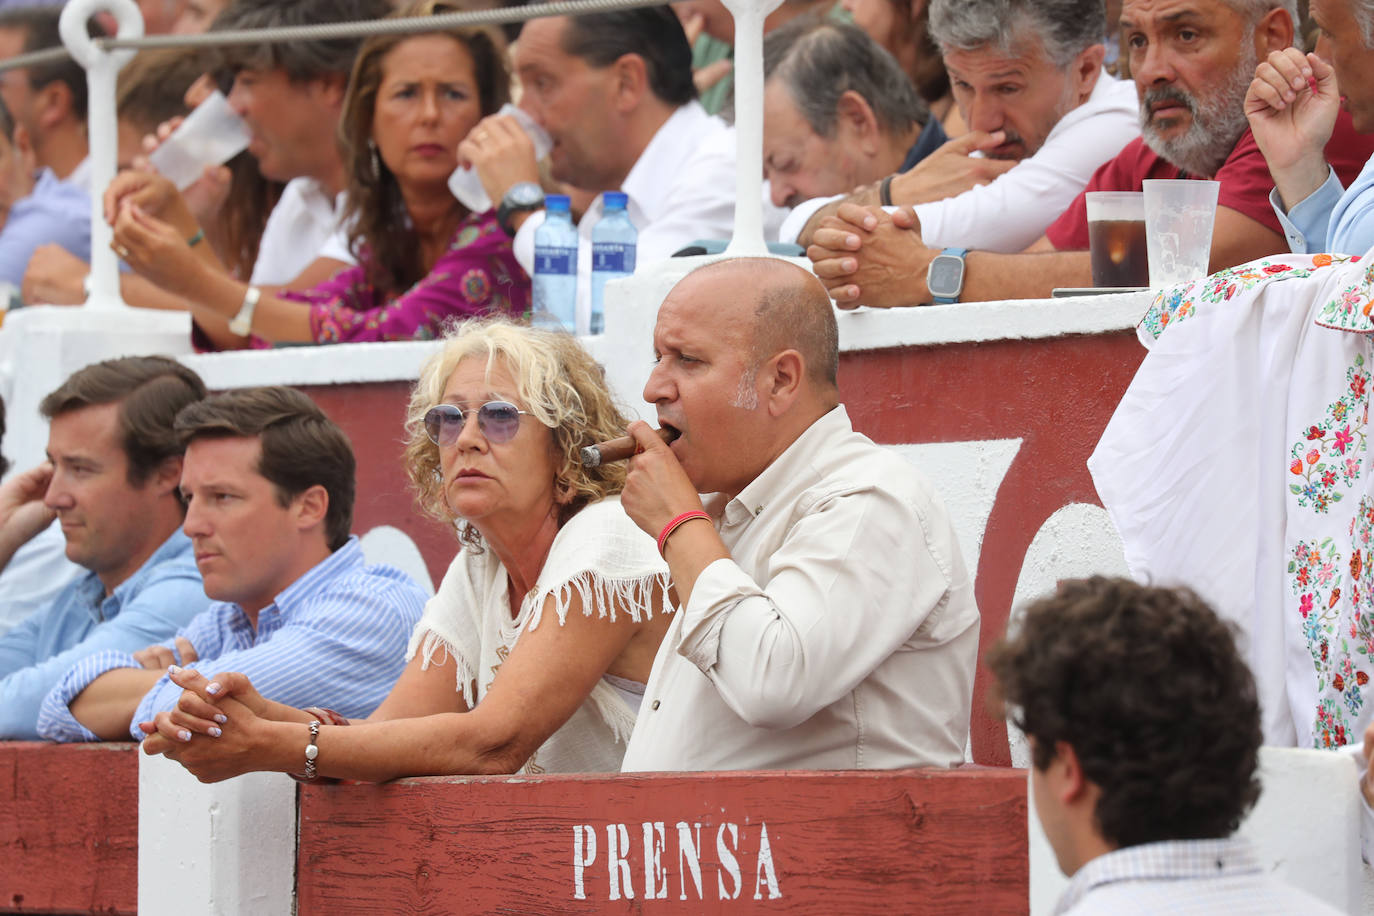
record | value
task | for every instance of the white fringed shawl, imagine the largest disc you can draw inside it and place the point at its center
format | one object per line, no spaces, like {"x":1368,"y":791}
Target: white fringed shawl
{"x":602,"y":557}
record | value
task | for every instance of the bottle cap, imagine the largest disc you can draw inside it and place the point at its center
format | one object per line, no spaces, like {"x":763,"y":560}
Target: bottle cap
{"x":614,"y":200}
{"x":555,"y":203}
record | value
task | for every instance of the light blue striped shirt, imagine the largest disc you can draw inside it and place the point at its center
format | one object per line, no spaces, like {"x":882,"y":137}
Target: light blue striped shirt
{"x":335,"y":637}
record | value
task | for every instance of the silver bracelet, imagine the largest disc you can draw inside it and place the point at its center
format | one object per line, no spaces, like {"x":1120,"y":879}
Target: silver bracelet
{"x":312,"y":750}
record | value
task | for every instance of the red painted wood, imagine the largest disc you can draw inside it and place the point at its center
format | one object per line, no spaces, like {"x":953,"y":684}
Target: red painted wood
{"x":373,"y":417}
{"x":1056,"y":394}
{"x":929,"y":841}
{"x":68,"y":828}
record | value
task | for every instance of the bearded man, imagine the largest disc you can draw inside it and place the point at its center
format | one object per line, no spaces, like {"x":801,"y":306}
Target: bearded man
{"x":1192,"y":62}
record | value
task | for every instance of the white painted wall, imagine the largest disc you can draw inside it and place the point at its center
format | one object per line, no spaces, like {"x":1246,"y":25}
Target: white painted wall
{"x":226,"y":848}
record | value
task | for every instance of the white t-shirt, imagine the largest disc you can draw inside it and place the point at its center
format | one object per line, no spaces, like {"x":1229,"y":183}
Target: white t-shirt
{"x":302,"y":221}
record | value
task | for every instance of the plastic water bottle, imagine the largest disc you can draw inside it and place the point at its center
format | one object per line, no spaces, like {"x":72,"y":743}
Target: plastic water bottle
{"x":555,"y":267}
{"x":613,"y":252}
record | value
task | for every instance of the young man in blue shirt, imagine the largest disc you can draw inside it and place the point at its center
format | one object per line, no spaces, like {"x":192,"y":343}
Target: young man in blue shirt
{"x":269,"y":486}
{"x":114,"y":465}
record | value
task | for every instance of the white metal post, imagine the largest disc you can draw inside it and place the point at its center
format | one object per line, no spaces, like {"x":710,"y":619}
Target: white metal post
{"x":101,"y":69}
{"x":748,"y":240}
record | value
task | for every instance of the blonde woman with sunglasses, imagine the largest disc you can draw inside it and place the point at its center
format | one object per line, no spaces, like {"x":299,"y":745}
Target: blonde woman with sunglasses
{"x":533,"y":655}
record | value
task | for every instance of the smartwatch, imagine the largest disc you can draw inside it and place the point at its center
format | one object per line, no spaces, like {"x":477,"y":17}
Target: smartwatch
{"x":945,"y":278}
{"x":521,"y":197}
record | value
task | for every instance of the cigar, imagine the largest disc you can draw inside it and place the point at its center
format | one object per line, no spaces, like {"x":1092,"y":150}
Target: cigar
{"x":594,"y":456}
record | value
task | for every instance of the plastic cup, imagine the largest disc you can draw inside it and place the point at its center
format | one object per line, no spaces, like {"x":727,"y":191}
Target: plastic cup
{"x":1179,"y":214}
{"x":465,"y":184}
{"x":1116,"y":238}
{"x":211,"y":135}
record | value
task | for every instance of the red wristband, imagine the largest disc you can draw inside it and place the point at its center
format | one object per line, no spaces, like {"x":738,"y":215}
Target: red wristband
{"x":672,"y":526}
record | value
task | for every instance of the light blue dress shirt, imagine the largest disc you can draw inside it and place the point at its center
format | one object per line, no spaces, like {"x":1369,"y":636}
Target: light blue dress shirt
{"x":336,"y":637}
{"x":56,"y":211}
{"x":148,"y":607}
{"x":1332,"y":218}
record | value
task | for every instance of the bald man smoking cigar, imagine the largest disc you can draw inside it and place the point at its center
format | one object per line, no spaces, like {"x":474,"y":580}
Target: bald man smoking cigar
{"x":825,"y":619}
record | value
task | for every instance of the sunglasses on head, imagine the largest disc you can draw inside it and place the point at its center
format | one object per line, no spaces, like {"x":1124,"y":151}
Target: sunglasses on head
{"x":497,"y":420}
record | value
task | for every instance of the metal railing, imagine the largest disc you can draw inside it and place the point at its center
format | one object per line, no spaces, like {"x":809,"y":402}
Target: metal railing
{"x":103,"y":57}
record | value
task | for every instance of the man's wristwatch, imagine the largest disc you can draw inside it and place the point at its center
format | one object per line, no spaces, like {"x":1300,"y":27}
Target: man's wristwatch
{"x":522,"y":197}
{"x":945,"y":278}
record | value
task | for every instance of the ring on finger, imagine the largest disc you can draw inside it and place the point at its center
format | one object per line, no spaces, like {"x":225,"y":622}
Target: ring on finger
{"x":121,"y":251}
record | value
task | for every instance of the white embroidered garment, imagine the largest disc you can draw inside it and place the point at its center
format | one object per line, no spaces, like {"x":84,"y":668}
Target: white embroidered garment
{"x":1237,"y":463}
{"x":599,"y":555}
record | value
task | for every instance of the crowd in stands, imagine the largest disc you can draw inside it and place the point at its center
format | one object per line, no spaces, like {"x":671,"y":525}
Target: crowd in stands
{"x":181,"y":570}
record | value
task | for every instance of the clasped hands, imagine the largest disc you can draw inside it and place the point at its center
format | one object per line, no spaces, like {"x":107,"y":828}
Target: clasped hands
{"x":213,"y":728}
{"x":865,"y":256}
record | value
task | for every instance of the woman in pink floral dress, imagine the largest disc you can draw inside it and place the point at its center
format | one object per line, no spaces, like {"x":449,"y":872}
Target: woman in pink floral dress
{"x":424,"y":260}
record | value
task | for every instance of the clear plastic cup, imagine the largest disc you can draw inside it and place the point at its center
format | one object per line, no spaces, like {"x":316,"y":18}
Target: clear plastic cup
{"x":465,"y":184}
{"x":212,"y":134}
{"x":1179,"y":214}
{"x":1116,"y":238}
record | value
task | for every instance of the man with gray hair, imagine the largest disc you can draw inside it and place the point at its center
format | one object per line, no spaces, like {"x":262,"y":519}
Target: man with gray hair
{"x":1042,"y":114}
{"x":838,"y":112}
{"x":1294,"y":105}
{"x":1192,"y":62}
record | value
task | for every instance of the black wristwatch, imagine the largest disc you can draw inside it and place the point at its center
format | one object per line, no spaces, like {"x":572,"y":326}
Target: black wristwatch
{"x":522,"y":197}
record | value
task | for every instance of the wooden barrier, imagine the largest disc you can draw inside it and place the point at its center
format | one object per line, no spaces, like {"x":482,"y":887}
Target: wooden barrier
{"x":68,"y":828}
{"x":788,"y":842}
{"x":794,"y":842}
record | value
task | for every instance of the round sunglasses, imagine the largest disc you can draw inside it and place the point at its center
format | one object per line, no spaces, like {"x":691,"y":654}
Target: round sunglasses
{"x":499,"y":421}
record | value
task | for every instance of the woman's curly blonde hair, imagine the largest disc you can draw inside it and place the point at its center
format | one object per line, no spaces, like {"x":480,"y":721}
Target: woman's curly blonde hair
{"x":559,"y":384}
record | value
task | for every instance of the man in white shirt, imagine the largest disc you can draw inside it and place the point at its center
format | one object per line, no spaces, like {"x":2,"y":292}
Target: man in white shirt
{"x":614,"y":91}
{"x":291,"y":96}
{"x":1042,"y":114}
{"x":1144,"y":730}
{"x":825,"y":616}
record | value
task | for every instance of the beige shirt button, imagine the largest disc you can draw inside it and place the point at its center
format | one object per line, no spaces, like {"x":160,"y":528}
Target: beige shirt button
{"x":655,"y":706}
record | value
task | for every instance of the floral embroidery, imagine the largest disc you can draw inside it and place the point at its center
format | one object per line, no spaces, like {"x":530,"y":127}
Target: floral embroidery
{"x":1337,"y":623}
{"x":1349,"y":309}
{"x":1329,"y":456}
{"x":1179,"y":302}
{"x":1316,"y":578}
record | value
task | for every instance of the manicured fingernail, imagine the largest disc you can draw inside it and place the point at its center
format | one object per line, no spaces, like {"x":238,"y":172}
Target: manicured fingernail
{"x":215,"y":732}
{"x":173,"y":669}
{"x":213,"y":688}
{"x":851,"y":265}
{"x":221,"y":718}
{"x":184,"y":735}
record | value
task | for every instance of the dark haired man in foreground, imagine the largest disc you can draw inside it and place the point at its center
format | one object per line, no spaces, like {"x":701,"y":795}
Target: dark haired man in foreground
{"x":111,"y":480}
{"x":269,"y":487}
{"x":1144,"y":731}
